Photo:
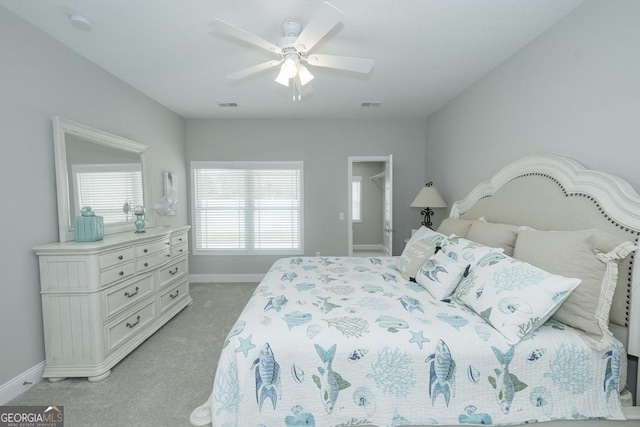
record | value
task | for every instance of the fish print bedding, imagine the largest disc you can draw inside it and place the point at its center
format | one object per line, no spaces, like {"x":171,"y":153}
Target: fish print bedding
{"x":347,"y":342}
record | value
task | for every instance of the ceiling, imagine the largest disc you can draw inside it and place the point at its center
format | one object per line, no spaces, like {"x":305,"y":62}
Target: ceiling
{"x":425,"y":51}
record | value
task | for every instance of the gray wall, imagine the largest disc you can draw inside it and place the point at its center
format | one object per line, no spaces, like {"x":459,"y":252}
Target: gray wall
{"x":370,"y":230}
{"x":40,"y":78}
{"x":324,"y":146}
{"x":573,"y":91}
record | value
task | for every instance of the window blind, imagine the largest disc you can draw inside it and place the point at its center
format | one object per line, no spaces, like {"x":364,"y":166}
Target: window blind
{"x":247,"y":207}
{"x":106,"y":188}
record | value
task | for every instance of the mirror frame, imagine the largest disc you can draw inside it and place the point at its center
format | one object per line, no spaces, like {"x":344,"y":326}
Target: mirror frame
{"x":63,"y":127}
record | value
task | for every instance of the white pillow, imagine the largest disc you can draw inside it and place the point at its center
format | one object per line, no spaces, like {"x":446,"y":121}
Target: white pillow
{"x":513,"y":296}
{"x":440,"y":275}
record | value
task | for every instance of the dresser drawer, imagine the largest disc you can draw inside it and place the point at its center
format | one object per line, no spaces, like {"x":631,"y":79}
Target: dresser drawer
{"x":116,"y":257}
{"x":119,"y":272}
{"x":152,"y":247}
{"x":120,"y":331}
{"x":152,"y":261}
{"x":172,"y":295}
{"x":172,"y":272}
{"x":120,"y":297}
{"x":179,"y":239}
{"x":178,"y":250}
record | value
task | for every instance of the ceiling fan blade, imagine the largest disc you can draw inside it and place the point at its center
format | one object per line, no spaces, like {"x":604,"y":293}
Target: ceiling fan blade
{"x":246,"y":36}
{"x":252,"y":70}
{"x":320,"y":24}
{"x":347,"y":63}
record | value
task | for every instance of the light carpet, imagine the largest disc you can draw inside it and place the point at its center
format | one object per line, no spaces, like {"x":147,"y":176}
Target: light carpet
{"x":164,"y":379}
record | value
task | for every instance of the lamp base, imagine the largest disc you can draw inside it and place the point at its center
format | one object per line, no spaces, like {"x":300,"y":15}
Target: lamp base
{"x":427,"y":218}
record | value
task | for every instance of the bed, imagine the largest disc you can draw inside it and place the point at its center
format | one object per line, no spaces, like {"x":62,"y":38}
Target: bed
{"x":453,"y":332}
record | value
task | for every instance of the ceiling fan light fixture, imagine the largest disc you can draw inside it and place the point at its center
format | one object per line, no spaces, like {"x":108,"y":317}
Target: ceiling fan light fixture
{"x":304,"y":75}
{"x":289,"y":68}
{"x":282,"y":78}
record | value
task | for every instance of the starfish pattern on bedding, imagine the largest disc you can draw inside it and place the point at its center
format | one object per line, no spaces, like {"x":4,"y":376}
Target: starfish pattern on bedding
{"x":418,"y":338}
{"x":245,"y":345}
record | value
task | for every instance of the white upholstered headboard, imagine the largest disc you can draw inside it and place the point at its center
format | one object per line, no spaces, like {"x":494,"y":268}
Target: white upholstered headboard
{"x":550,"y":192}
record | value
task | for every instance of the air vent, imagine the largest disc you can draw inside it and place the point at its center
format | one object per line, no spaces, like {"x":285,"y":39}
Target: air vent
{"x":227,"y":104}
{"x":371,"y":104}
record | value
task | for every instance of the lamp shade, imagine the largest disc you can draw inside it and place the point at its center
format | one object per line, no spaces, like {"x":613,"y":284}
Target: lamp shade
{"x":428,"y":197}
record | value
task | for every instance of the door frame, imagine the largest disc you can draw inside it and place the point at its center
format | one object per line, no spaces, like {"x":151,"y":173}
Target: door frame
{"x":351,"y":161}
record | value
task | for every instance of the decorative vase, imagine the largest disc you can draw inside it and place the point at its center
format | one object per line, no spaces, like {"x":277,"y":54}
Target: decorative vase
{"x":89,"y":227}
{"x":139,"y":213}
{"x":140,"y":223}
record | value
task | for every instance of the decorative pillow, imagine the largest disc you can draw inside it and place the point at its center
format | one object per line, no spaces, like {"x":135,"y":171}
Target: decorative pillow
{"x":459,"y":227}
{"x":465,"y":250}
{"x":590,"y":255}
{"x":513,"y":296}
{"x":440,"y":275}
{"x":433,"y":237}
{"x":494,"y":235}
{"x":414,"y":255}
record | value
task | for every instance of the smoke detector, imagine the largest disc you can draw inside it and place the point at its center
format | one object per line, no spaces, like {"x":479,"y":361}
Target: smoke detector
{"x":80,"y":22}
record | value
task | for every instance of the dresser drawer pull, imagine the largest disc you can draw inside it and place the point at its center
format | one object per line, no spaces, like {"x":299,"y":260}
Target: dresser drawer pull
{"x":180,"y":239}
{"x":121,"y":273}
{"x":176,"y":294}
{"x":168,"y":255}
{"x":145,"y":250}
{"x":172,"y":272}
{"x":167,"y":243}
{"x":120,"y":257}
{"x":127,"y":294}
{"x":131,"y":325}
{"x":146,"y":264}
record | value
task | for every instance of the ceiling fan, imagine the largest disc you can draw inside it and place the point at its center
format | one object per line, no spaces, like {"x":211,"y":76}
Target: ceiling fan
{"x":293,"y":50}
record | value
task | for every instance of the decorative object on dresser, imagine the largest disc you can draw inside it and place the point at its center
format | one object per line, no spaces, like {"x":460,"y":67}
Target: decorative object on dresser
{"x":89,"y":226}
{"x":101,"y":300}
{"x":138,"y":211}
{"x":168,"y":204}
{"x":428,"y":198}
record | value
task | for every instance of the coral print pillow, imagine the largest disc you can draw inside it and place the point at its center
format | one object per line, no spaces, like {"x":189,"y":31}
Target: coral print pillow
{"x":513,"y":296}
{"x":464,"y":250}
{"x":440,"y":275}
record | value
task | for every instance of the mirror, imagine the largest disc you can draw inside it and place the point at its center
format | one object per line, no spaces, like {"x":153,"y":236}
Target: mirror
{"x":98,"y":169}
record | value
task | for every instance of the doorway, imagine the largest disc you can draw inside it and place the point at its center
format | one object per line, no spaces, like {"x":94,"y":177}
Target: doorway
{"x":370,"y":206}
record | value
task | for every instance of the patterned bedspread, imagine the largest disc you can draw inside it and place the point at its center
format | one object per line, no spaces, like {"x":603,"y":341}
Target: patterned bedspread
{"x":349,"y":342}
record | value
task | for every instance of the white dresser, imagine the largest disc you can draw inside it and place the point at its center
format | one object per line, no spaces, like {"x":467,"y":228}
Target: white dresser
{"x":101,"y":300}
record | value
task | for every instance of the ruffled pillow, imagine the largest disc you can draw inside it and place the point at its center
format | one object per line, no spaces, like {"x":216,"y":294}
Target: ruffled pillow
{"x":590,"y":255}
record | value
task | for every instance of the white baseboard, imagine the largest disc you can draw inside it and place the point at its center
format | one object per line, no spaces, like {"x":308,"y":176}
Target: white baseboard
{"x":23,"y":382}
{"x":369,"y":247}
{"x":226,"y":278}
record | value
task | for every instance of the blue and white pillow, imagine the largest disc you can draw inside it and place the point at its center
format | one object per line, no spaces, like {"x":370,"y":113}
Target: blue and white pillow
{"x":513,"y":296}
{"x":440,"y":275}
{"x":464,"y":250}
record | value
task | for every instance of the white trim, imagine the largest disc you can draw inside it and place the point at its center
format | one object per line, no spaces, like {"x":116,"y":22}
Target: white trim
{"x":226,"y":278}
{"x":23,"y":382}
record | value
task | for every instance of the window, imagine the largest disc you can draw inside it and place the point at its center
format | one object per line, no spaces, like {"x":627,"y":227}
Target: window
{"x":106,"y":188}
{"x":356,"y":199}
{"x":247,"y":207}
